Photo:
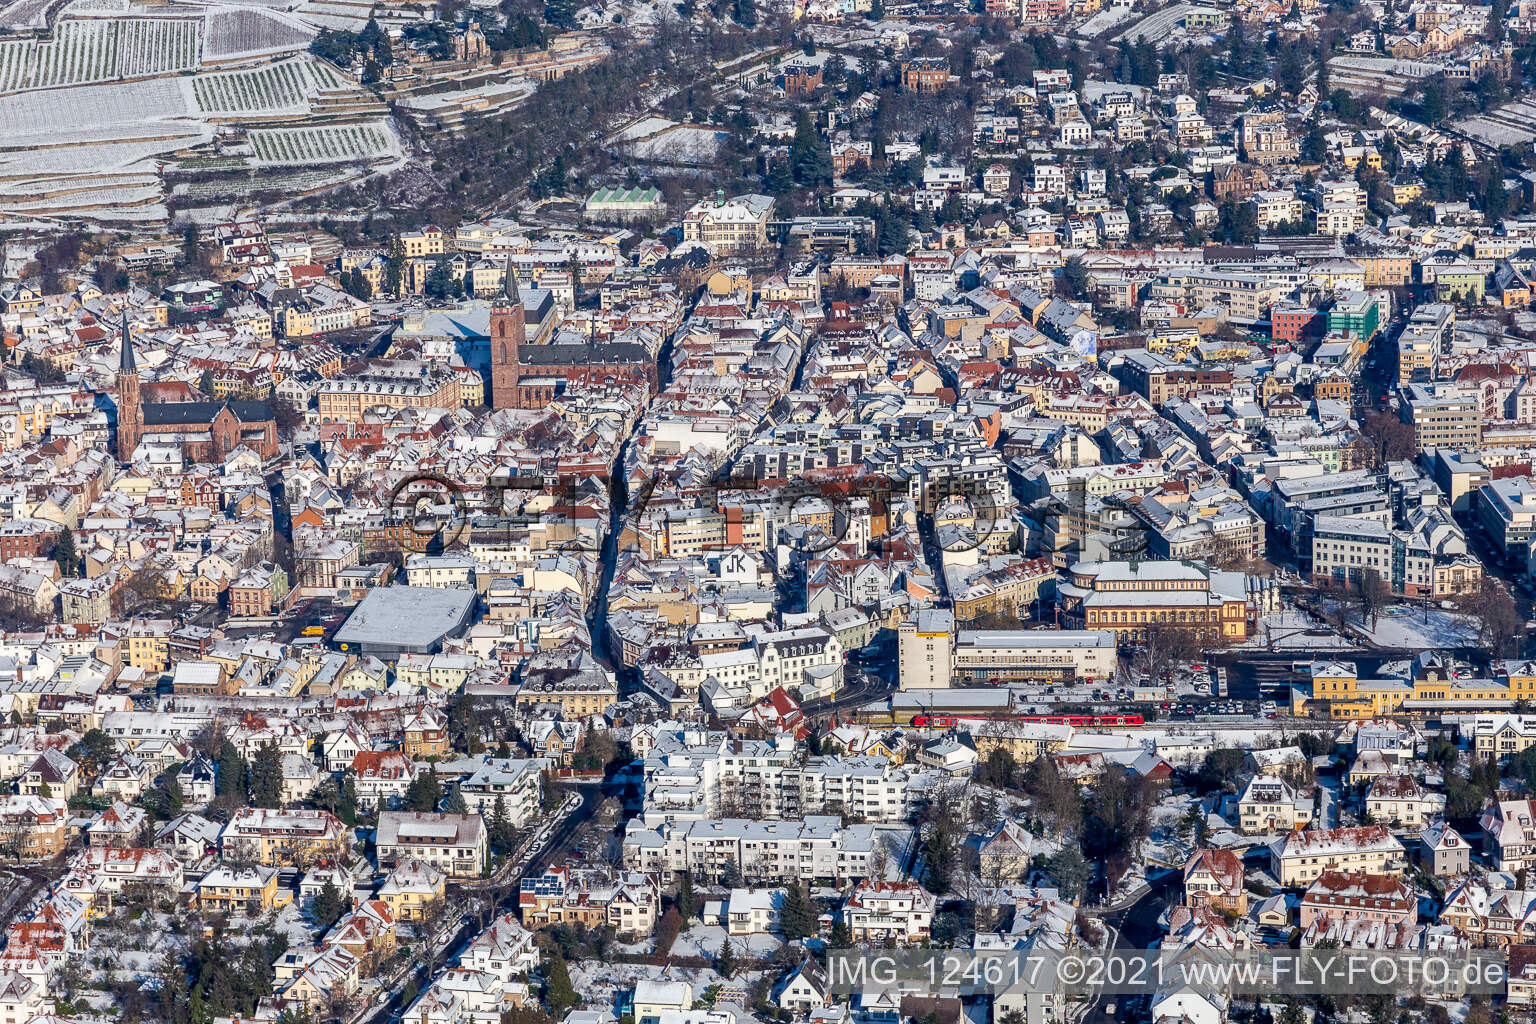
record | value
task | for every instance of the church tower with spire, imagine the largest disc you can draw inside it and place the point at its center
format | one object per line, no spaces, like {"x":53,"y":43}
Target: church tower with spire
{"x":130,"y":411}
{"x":508,"y":333}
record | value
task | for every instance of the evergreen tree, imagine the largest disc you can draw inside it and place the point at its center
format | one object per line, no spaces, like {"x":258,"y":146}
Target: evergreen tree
{"x":842,"y":936}
{"x":230,"y":779}
{"x":1069,"y":870}
{"x":809,"y":158}
{"x":894,"y":230}
{"x":731,"y":876}
{"x":266,"y":777}
{"x":440,"y":283}
{"x":559,"y":993}
{"x":357,"y":285}
{"x":329,"y":907}
{"x":561,"y":13}
{"x":1076,"y":275}
{"x":65,"y":555}
{"x":499,"y":828}
{"x":189,"y":242}
{"x":455,"y":803}
{"x":346,"y":808}
{"x":1495,"y":200}
{"x":939,"y":856}
{"x":1314,"y":145}
{"x":1436,"y":100}
{"x":798,"y":915}
{"x":174,"y":797}
{"x":425,"y":791}
{"x":686,"y":899}
{"x":725,"y":962}
{"x":394,"y":267}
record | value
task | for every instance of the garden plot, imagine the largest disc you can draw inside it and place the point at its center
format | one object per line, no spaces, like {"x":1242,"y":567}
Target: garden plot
{"x":283,"y":147}
{"x":277,"y":89}
{"x":100,"y":50}
{"x":233,"y":33}
{"x":1509,"y":125}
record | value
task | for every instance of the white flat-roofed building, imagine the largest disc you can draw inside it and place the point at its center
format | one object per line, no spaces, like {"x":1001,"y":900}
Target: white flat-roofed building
{"x":816,"y":847}
{"x":691,"y":775}
{"x":982,"y":655}
{"x":926,"y":650}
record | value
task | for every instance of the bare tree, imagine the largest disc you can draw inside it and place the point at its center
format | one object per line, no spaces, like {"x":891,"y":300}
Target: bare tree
{"x":1375,"y":594}
{"x":1166,"y":644}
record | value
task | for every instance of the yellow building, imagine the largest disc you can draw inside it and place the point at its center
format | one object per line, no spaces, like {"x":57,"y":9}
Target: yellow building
{"x":1301,"y":856}
{"x":577,"y":697}
{"x":1339,"y":693}
{"x":412,"y":889}
{"x":1470,"y":693}
{"x":147,"y":645}
{"x":428,"y":242}
{"x":1023,"y":741}
{"x":247,"y":892}
{"x":285,"y":838}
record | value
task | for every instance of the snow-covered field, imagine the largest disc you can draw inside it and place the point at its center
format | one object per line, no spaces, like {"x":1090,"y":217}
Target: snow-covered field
{"x":283,"y":88}
{"x":1102,"y":21}
{"x":1509,"y":125}
{"x":1294,"y":630}
{"x":21,"y":14}
{"x":1156,"y":25}
{"x":341,"y":15}
{"x":99,"y":50}
{"x":123,"y":111}
{"x":1380,"y":75}
{"x":643,"y":128}
{"x":280,"y":147}
{"x":1420,"y":629}
{"x":684,"y":145}
{"x":233,"y":32}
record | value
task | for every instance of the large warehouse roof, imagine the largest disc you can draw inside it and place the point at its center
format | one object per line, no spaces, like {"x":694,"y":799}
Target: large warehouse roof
{"x":407,"y":619}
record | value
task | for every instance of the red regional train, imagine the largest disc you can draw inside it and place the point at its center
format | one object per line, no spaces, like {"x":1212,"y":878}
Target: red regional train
{"x":949,"y":721}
